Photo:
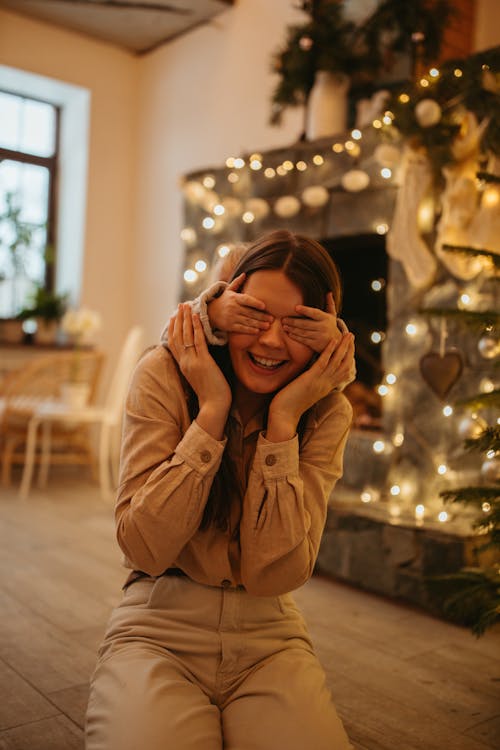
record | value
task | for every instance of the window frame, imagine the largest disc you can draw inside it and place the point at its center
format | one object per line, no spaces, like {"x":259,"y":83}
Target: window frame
{"x":51,"y":164}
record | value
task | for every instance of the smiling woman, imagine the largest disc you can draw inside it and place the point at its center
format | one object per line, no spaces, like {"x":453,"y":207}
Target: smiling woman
{"x":229,"y":456}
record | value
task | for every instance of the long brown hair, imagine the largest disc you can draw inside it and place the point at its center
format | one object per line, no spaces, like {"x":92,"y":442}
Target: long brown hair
{"x":306,"y":264}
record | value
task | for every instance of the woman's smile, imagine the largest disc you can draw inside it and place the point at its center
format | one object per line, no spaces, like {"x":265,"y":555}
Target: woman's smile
{"x":265,"y":362}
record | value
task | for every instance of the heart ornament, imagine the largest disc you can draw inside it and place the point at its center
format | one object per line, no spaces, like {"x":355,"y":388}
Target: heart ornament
{"x":441,"y":371}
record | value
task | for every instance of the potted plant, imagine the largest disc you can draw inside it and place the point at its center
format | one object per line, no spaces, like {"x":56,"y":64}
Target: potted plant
{"x":47,"y":308}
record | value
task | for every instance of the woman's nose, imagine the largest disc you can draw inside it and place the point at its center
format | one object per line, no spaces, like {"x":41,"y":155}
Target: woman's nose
{"x":274,"y":335}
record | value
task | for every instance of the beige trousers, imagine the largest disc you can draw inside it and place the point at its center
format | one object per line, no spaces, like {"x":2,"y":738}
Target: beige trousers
{"x":190,"y":667}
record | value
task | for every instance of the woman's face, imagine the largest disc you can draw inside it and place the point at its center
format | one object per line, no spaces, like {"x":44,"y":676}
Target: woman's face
{"x":265,"y":362}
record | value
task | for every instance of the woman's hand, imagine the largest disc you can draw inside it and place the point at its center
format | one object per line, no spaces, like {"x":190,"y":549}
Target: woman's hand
{"x":315,"y":328}
{"x":187,"y":343}
{"x":330,"y":370}
{"x":236,"y":312}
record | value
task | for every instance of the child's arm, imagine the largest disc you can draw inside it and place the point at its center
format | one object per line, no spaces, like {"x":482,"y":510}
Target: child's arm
{"x":235,"y":312}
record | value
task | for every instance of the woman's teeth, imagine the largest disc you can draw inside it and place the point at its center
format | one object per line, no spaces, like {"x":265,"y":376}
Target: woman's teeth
{"x":271,"y":364}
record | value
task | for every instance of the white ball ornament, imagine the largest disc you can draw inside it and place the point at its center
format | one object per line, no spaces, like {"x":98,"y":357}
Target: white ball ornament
{"x":428,"y":113}
{"x":194,"y":191}
{"x":387,"y":155}
{"x":490,"y":469}
{"x":489,"y":346}
{"x":287,"y":206}
{"x":315,"y":196}
{"x":258,"y":207}
{"x":471,"y":427}
{"x":355,"y":180}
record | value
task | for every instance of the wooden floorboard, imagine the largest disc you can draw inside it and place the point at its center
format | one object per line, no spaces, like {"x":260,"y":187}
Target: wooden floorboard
{"x":401,"y":679}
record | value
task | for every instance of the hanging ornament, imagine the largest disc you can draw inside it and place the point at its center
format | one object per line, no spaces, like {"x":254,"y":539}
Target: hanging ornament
{"x":428,"y":113}
{"x":355,"y":180}
{"x":287,"y":206}
{"x":315,"y":196}
{"x":490,"y":469}
{"x":471,"y":427}
{"x":442,"y":369}
{"x":489,"y":346}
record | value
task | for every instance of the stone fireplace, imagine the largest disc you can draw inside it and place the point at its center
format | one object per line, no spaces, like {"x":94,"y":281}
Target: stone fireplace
{"x":342,"y":191}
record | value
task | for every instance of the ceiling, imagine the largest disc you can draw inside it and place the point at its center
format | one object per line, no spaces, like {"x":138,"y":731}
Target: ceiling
{"x":137,"y":25}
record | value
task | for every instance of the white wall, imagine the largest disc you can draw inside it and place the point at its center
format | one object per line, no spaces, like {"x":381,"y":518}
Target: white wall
{"x":110,"y":75}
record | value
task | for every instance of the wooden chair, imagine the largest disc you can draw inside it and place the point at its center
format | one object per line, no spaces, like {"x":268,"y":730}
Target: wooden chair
{"x":40,"y":382}
{"x":54,"y":416}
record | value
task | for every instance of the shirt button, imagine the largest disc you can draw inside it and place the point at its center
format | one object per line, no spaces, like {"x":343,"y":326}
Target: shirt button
{"x":271,"y":459}
{"x":225,"y":583}
{"x":206,"y":456}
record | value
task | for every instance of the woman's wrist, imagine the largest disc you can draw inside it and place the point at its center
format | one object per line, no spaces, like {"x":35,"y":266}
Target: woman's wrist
{"x":280,"y":428}
{"x":212,"y":418}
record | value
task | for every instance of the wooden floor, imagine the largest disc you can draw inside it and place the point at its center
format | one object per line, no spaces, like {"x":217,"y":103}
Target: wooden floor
{"x":401,"y":679}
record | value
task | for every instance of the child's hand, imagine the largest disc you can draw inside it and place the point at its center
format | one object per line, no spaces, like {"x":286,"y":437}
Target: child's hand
{"x":235,"y":312}
{"x":315,"y":328}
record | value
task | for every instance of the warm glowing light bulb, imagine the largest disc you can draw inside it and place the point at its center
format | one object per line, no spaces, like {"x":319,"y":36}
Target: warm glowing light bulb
{"x":377,"y":285}
{"x":386,"y":173}
{"x":419,"y":512}
{"x":219,"y":209}
{"x":209,"y":181}
{"x":390,"y":378}
{"x":486,"y":507}
{"x":490,"y":454}
{"x":411,"y":329}
{"x":442,"y":469}
{"x":233,"y":177}
{"x":269,"y":172}
{"x":239,"y":163}
{"x":255,"y":164}
{"x":366,"y":496}
{"x":248,"y":217}
{"x":443,"y":516}
{"x":301,"y":166}
{"x":424,"y":82}
{"x":356,"y":134}
{"x":378,"y":123}
{"x":288,"y":165}
{"x":395,"y":489}
{"x":190,"y":276}
{"x":382,"y":228}
{"x":379,"y":446}
{"x":491,"y":197}
{"x":434,"y":72}
{"x":200,"y":266}
{"x":458,"y":73}
{"x":382,"y":390}
{"x":447,"y":410}
{"x":318,"y":160}
{"x":398,"y":439}
{"x":338,"y":148}
{"x":280,"y":169}
{"x":223,"y":250}
{"x":208,"y":222}
{"x":404,"y":98}
{"x":465,"y":299}
{"x":376,"y":337}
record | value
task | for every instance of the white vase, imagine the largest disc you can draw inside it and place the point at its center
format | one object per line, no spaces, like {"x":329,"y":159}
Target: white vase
{"x":327,"y":105}
{"x":75,"y":395}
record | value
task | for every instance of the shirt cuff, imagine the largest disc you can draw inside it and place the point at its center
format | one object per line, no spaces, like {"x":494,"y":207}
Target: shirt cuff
{"x":199,"y":450}
{"x":277,"y":459}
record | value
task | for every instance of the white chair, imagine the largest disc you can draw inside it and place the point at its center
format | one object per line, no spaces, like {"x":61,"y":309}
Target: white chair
{"x":108,"y":417}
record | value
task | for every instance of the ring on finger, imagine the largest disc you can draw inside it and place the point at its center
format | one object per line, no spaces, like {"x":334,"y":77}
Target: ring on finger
{"x":188,"y":346}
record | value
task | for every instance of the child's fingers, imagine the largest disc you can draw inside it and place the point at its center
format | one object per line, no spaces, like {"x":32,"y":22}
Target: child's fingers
{"x":237,"y":283}
{"x":255,"y":304}
{"x":310,"y":312}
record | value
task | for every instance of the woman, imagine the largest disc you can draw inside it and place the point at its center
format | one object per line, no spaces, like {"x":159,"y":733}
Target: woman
{"x":226,"y":470}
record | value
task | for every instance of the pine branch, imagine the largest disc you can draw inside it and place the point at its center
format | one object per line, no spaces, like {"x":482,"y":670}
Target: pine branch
{"x":488,"y":440}
{"x":488,"y":177}
{"x":472,"y":495}
{"x":476,"y":318}
{"x":471,"y":597}
{"x":481,"y":401}
{"x":479,"y":252}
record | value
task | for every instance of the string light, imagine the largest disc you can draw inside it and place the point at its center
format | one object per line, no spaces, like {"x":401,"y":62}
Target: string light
{"x":382,"y":390}
{"x":411,"y":329}
{"x":442,"y":469}
{"x":318,"y":160}
{"x":419,"y":512}
{"x":219,"y":209}
{"x":404,"y":98}
{"x":395,"y":490}
{"x":377,"y":336}
{"x":447,"y":410}
{"x":200,"y":266}
{"x":223,"y":251}
{"x":424,"y":82}
{"x":382,"y":229}
{"x":386,"y":173}
{"x":356,"y":134}
{"x":255,"y":164}
{"x":377,"y":124}
{"x":490,"y":454}
{"x":377,"y":285}
{"x":378,"y":446}
{"x":434,"y":72}
{"x":390,"y":378}
{"x":398,"y":439}
{"x":190,"y":276}
{"x":188,"y":235}
{"x":230,"y":162}
{"x":248,"y":217}
{"x":288,"y":165}
{"x":208,"y":222}
{"x":209,"y":182}
{"x":301,"y":166}
{"x":457,"y":73}
{"x":269,"y":172}
{"x":443,"y":516}
{"x":233,"y":177}
{"x":281,"y":170}
{"x":486,"y":507}
{"x":239,"y":163}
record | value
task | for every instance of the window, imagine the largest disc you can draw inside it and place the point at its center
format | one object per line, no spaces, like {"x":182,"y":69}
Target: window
{"x":28,"y":159}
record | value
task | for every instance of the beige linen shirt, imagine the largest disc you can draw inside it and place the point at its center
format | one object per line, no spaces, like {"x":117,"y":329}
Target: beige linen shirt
{"x":168,"y":463}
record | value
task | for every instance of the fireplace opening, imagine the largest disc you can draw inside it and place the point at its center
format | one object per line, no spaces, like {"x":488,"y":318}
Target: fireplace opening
{"x":362,"y":262}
